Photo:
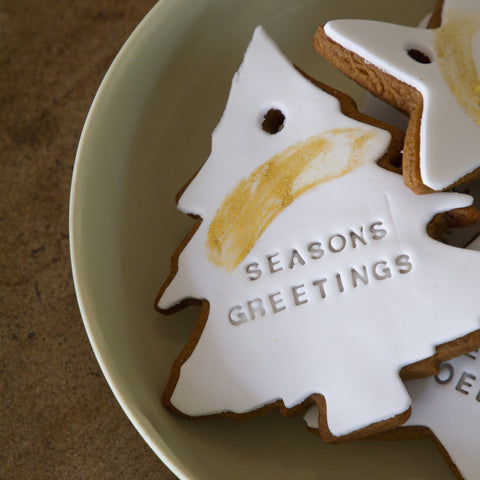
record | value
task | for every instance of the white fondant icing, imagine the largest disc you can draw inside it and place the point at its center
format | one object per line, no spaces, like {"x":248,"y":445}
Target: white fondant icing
{"x":449,"y":137}
{"x":449,"y":405}
{"x":293,"y":318}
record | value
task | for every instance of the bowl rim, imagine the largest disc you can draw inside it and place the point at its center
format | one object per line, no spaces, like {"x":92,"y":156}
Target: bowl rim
{"x":124,"y":54}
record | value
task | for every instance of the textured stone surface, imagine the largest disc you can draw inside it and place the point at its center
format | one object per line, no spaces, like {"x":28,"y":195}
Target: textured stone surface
{"x":58,"y":418}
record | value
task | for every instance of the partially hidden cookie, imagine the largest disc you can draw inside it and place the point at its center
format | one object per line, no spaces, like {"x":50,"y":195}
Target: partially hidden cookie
{"x":317,"y":278}
{"x":430,"y":73}
{"x":446,"y":408}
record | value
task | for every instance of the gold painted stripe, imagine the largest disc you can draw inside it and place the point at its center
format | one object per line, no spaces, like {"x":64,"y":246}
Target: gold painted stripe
{"x":454,"y":50}
{"x":255,"y":202}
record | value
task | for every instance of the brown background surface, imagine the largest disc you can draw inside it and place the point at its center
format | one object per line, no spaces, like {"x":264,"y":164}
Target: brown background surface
{"x":58,"y":417}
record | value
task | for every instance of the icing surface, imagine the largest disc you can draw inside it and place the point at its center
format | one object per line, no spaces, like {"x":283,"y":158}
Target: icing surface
{"x":448,"y":404}
{"x":450,"y":84}
{"x":276,"y":183}
{"x":338,"y":288}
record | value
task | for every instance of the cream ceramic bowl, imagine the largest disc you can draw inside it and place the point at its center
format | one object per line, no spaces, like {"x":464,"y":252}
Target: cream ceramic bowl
{"x":148,"y":131}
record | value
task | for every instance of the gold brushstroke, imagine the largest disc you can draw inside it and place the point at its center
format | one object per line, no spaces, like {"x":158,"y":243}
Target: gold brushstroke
{"x":253,"y":204}
{"x":454,"y":50}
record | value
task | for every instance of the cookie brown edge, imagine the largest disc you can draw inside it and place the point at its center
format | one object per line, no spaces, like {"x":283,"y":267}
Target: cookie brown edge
{"x":402,"y":96}
{"x":391,"y":161}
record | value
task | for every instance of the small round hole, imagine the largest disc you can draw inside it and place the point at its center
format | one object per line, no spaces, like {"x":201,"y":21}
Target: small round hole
{"x":273,"y":121}
{"x":419,"y":56}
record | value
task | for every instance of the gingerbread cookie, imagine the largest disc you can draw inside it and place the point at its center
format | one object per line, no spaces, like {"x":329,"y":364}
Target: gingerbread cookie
{"x":317,"y":277}
{"x":432,"y":74}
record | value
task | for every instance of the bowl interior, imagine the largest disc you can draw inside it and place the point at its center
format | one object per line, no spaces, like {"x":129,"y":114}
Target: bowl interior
{"x":147,"y":133}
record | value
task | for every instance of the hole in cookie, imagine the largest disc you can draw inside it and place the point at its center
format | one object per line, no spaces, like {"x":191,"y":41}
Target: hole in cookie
{"x":419,"y":56}
{"x":273,"y":121}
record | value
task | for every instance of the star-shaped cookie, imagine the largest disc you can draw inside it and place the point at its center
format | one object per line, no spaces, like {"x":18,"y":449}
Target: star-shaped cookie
{"x":430,"y":73}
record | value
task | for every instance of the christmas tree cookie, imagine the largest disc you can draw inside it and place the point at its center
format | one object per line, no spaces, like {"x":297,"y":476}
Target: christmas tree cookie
{"x":318,"y":280}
